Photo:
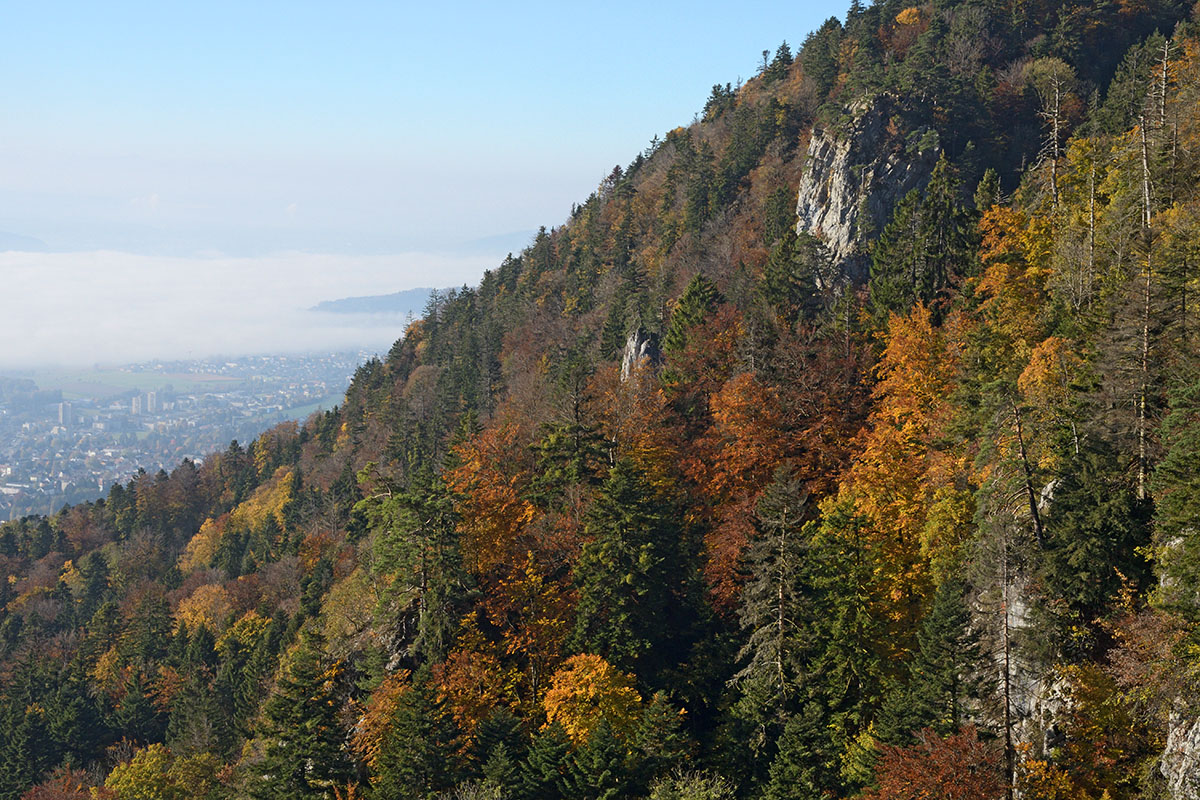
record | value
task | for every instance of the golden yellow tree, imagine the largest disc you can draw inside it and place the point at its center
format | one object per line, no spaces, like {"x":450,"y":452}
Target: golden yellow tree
{"x":587,"y":691}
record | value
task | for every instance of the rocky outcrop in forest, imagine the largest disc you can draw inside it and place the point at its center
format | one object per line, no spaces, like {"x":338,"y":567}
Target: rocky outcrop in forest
{"x":855,"y":173}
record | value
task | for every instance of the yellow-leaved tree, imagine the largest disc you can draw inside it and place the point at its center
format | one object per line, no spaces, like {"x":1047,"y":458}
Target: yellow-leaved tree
{"x":587,"y":691}
{"x":908,"y":487}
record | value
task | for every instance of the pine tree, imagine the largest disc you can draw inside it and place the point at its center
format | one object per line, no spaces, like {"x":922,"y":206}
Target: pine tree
{"x":819,"y":55}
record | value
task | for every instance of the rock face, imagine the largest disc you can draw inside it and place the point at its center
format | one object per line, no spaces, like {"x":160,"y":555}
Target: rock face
{"x":854,"y":177}
{"x":1180,"y":763}
{"x":641,"y":349}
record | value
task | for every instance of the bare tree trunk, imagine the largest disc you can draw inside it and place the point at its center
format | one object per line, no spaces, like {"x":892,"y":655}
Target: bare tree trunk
{"x":1146,"y":292}
{"x":1055,"y":121}
{"x":1030,"y":492}
{"x":1009,"y":770}
{"x":780,"y":620}
{"x":1091,"y":273}
{"x":1162,"y":85}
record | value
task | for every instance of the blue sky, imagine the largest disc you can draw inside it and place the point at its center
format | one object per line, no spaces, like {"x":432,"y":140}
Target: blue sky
{"x":249,"y":129}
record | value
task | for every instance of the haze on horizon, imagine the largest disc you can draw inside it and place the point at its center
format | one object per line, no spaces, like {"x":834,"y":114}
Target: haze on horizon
{"x":187,"y":181}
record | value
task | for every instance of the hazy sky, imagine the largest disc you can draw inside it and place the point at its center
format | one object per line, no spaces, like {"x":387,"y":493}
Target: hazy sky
{"x":376,"y":132}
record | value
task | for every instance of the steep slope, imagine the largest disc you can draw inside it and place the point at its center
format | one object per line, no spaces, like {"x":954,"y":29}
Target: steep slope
{"x":843,"y":443}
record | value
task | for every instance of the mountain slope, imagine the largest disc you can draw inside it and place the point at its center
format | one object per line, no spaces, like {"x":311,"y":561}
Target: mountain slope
{"x":700,"y":497}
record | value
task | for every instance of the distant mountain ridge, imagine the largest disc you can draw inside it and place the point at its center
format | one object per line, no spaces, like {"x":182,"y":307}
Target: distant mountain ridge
{"x":409,"y":301}
{"x":21,"y":242}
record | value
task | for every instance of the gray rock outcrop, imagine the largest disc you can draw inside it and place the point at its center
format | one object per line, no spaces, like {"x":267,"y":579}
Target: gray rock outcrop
{"x":641,"y":349}
{"x":1180,"y":763}
{"x":854,"y":177}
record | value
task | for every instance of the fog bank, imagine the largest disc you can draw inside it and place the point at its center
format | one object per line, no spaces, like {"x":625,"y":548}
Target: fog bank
{"x":113,"y":307}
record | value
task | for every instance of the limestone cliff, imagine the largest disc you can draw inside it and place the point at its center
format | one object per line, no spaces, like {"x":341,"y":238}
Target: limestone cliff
{"x":855,"y":174}
{"x":1180,"y":763}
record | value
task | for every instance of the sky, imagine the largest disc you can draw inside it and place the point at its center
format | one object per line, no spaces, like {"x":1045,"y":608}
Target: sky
{"x":158,"y":146}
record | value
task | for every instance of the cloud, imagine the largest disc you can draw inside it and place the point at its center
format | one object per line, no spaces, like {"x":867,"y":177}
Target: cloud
{"x":113,"y":307}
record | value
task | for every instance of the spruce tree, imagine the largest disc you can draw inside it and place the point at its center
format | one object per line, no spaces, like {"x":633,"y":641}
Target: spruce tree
{"x":660,"y":742}
{"x":135,"y":717}
{"x":543,"y":773}
{"x":806,"y":765}
{"x":598,"y":769}
{"x":629,"y":575}
{"x":942,"y":677}
{"x":1097,"y":530}
{"x":774,"y":601}
{"x":1176,"y":486}
{"x":415,"y":757}
{"x":792,"y":277}
{"x":926,"y":248}
{"x":699,"y":299}
{"x":304,"y":754}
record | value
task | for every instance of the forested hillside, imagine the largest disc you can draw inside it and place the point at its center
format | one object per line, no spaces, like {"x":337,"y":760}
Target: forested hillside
{"x":846,"y":443}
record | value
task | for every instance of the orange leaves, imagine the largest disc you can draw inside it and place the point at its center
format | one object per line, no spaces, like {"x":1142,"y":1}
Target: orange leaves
{"x":633,"y":418}
{"x":1000,"y":227}
{"x":960,"y":767}
{"x":743,"y":445}
{"x":731,"y":463}
{"x":588,"y":690}
{"x":532,"y":614}
{"x":899,"y":471}
{"x":1052,"y":367}
{"x":916,"y":373}
{"x":492,"y":511}
{"x":376,"y":721}
{"x":1046,"y":385}
{"x":910,"y":24}
{"x":724,"y":545}
{"x":1012,"y":286}
{"x":473,"y":685}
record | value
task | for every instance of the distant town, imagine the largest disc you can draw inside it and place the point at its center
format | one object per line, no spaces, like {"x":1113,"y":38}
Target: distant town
{"x":66,"y":437}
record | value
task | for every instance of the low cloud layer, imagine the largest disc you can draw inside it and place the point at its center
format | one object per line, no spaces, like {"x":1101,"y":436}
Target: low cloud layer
{"x":111,"y":307}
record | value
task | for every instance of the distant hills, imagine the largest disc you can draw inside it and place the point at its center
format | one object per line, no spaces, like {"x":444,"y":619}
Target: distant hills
{"x":409,"y":301}
{"x":17,"y":241}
